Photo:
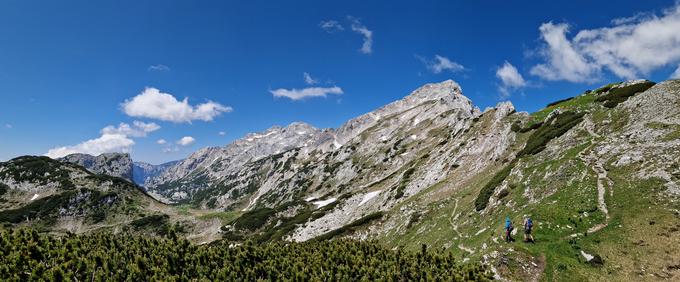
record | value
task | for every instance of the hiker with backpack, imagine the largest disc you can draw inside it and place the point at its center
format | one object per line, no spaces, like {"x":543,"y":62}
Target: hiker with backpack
{"x":508,"y":230}
{"x":528,"y":225}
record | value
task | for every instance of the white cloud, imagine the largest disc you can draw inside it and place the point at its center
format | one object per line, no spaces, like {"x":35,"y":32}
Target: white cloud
{"x":107,"y":143}
{"x":186,"y":141}
{"x":331,"y":26}
{"x":152,"y":103}
{"x":138,"y":129}
{"x":297,"y":94}
{"x":564,"y":62}
{"x":440,"y":64}
{"x":359,"y":28}
{"x":222,"y":133}
{"x":112,"y":139}
{"x":158,"y":67}
{"x":630,"y":48}
{"x":676,"y":74}
{"x":510,"y":78}
{"x":309,"y":79}
{"x":161,"y":142}
{"x":8,"y":126}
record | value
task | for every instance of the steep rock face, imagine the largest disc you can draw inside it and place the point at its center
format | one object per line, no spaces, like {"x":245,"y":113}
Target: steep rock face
{"x":447,"y":94}
{"x":141,"y":171}
{"x":113,"y":164}
{"x":273,"y":167}
{"x":210,"y":165}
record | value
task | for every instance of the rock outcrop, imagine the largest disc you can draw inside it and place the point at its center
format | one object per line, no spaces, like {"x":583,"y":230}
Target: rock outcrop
{"x":113,"y":164}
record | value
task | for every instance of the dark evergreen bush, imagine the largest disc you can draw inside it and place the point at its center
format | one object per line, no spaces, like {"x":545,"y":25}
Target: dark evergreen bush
{"x":482,"y":199}
{"x":253,"y":219}
{"x":553,"y":128}
{"x":350,"y":227}
{"x":26,"y":255}
{"x":621,"y":94}
{"x":559,"y":101}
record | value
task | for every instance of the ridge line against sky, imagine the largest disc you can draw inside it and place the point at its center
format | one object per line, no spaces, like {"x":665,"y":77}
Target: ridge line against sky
{"x":333,"y":67}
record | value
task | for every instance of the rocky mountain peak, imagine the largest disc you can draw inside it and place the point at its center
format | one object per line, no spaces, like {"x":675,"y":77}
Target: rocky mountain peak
{"x":432,"y":99}
{"x":447,"y":89}
{"x":113,"y":164}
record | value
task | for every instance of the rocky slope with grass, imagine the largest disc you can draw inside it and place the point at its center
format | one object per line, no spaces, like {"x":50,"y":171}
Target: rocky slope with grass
{"x":113,"y":164}
{"x":597,"y":172}
{"x":63,"y":197}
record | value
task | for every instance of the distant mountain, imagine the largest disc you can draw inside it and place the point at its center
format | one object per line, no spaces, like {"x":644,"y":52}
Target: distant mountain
{"x":220,"y":162}
{"x":113,"y":164}
{"x":65,"y":197}
{"x":142,"y":172}
{"x":118,"y":165}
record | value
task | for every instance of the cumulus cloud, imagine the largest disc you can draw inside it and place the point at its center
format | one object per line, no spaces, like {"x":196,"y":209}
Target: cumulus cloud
{"x":358,"y":27}
{"x":138,"y":129}
{"x":630,"y":48}
{"x":186,"y":141}
{"x":107,"y":143}
{"x":676,"y":73}
{"x":331,"y":26}
{"x":564,"y":62}
{"x":297,"y":94}
{"x":440,"y":64}
{"x":309,"y":79}
{"x":510,"y":79}
{"x":161,"y":142}
{"x":158,"y":67}
{"x":221,"y":133}
{"x":152,"y":103}
{"x":112,"y":139}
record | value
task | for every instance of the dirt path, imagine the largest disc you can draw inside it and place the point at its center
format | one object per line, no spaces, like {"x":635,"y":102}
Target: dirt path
{"x":453,"y":218}
{"x":602,"y":178}
{"x":603,"y":181}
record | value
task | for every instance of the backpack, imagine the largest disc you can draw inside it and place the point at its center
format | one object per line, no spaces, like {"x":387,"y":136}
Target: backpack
{"x":530,"y":223}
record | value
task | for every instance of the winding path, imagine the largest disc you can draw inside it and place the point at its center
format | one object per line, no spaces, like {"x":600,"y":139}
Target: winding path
{"x":453,"y":218}
{"x":603,"y":181}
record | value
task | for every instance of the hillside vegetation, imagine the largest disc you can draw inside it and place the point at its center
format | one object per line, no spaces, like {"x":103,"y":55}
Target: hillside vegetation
{"x":28,"y":255}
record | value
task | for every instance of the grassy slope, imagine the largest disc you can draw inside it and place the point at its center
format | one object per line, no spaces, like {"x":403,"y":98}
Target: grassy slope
{"x":571,"y":208}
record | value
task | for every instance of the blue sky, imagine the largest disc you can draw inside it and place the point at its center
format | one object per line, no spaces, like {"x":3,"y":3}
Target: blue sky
{"x":73,"y":71}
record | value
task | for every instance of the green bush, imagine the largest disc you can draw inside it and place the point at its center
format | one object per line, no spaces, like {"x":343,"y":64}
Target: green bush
{"x":27,"y":255}
{"x":606,"y":88}
{"x":406,"y":177}
{"x":354,"y":225}
{"x":253,"y":219}
{"x":3,"y":189}
{"x":516,"y":126}
{"x":155,"y":220}
{"x":558,"y":102}
{"x":555,"y":127}
{"x":482,"y":199}
{"x":621,"y":94}
{"x":46,"y":208}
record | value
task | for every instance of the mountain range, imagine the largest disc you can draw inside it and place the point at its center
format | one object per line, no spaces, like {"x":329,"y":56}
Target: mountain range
{"x":599,"y":173}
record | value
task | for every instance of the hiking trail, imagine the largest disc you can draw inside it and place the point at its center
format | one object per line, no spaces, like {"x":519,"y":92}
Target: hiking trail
{"x":602,"y":179}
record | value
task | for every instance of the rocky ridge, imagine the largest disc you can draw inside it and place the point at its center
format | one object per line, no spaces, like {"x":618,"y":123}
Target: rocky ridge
{"x":113,"y":164}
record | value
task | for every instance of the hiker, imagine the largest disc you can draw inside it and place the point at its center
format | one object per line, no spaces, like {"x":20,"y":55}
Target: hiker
{"x":508,"y":230}
{"x":528,"y":225}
